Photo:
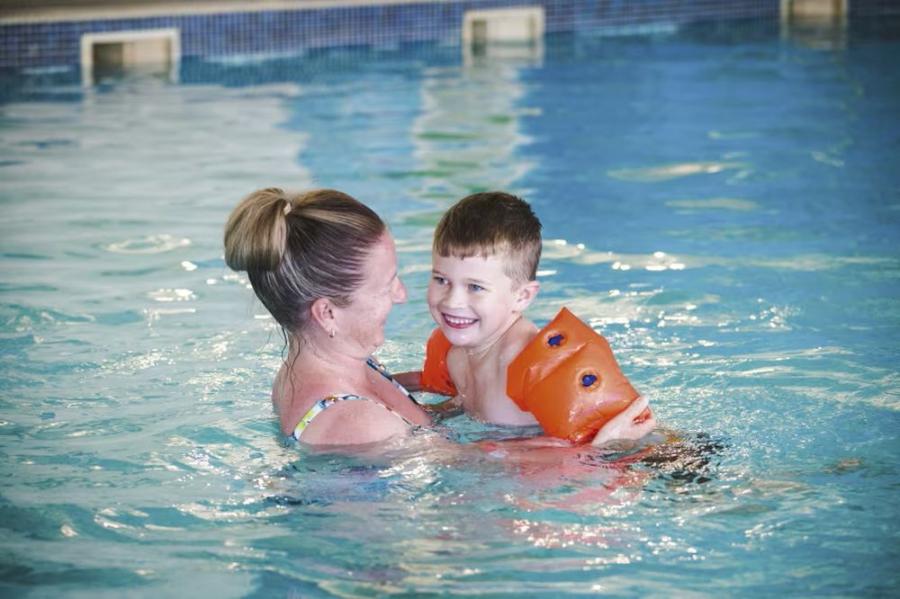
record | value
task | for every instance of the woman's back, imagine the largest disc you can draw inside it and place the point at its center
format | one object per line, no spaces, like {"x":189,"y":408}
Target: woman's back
{"x":340,"y":409}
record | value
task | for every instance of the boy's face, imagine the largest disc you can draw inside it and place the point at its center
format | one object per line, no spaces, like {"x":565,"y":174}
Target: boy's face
{"x":473,"y":300}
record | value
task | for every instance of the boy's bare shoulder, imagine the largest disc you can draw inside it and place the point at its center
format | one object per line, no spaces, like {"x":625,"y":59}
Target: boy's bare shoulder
{"x":456,"y":364}
{"x":515,"y":341}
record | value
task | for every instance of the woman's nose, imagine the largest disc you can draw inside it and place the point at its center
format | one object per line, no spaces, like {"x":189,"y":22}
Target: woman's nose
{"x":399,"y":292}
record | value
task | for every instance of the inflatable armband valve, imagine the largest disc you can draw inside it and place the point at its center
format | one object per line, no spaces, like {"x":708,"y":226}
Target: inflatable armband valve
{"x":569,"y":379}
{"x":435,"y":375}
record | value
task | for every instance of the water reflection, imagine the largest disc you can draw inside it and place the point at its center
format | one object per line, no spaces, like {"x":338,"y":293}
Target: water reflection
{"x":579,"y":253}
{"x":653,"y":174}
{"x":469,"y":131}
{"x":818,"y":32}
{"x":734,"y":204}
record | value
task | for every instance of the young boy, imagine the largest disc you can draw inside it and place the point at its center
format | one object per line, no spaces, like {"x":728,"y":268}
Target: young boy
{"x":484,"y":264}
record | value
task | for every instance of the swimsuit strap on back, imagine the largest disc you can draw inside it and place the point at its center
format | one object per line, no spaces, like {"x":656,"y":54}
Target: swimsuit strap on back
{"x":325,"y":402}
{"x":317,"y":409}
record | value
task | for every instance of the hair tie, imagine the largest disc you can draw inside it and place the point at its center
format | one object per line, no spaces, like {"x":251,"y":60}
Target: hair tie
{"x":288,"y":207}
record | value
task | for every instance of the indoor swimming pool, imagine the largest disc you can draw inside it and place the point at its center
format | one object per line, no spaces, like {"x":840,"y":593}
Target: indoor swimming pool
{"x":722,"y":202}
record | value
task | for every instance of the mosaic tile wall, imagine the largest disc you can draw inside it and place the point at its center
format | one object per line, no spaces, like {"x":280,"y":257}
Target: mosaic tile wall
{"x":874,"y":8}
{"x":35,"y":45}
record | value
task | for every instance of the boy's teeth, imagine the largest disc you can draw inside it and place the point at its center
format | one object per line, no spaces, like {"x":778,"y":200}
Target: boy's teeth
{"x":458,"y":321}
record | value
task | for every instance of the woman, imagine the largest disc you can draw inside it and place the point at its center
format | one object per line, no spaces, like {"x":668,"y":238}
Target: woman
{"x":325,"y":267}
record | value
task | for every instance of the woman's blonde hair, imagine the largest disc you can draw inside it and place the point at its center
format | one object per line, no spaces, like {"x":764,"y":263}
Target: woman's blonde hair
{"x":297,"y":248}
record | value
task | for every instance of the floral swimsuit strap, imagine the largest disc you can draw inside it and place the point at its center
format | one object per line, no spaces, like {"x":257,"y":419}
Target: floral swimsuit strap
{"x":325,"y":402}
{"x":317,"y":409}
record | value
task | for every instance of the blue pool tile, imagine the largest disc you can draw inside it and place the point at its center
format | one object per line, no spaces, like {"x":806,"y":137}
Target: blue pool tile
{"x":24,"y":45}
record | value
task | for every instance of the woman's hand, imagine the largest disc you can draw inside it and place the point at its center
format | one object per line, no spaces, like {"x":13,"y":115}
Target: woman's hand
{"x":634,"y":422}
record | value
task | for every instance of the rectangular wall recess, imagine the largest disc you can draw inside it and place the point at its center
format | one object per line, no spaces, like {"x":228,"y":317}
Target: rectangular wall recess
{"x":814,"y":10}
{"x":146,"y":51}
{"x":516,"y":33}
{"x":518,"y":25}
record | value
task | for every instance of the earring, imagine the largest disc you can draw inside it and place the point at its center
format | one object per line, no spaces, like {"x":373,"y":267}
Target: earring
{"x":331,"y":334}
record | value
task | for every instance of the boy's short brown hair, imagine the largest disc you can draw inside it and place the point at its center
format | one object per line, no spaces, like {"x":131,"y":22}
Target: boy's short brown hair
{"x":489,"y":223}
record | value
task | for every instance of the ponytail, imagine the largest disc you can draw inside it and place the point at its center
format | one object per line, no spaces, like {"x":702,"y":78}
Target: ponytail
{"x":256,"y":232}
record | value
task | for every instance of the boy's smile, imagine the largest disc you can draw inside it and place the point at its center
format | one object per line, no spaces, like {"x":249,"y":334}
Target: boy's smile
{"x":473,"y":300}
{"x":458,"y":323}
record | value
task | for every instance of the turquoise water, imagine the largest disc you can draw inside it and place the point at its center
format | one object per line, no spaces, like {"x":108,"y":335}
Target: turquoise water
{"x":722,"y":202}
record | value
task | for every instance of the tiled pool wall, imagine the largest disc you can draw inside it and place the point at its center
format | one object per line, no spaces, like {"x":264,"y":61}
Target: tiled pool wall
{"x":33,"y":43}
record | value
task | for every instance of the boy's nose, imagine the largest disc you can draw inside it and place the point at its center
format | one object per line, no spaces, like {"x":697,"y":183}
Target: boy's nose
{"x":455,"y":297}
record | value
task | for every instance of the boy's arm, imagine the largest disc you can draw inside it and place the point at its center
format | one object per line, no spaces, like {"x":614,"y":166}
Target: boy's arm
{"x":411,"y":380}
{"x":435,"y":376}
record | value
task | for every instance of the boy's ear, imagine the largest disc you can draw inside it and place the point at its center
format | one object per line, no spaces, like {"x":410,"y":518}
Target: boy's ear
{"x":525,"y":294}
{"x":323,"y":315}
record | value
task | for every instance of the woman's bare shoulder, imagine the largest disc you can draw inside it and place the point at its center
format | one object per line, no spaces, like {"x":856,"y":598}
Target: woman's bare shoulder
{"x":293,"y":396}
{"x":354,"y":422}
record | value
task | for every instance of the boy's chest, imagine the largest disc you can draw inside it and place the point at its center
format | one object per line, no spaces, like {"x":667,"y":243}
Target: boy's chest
{"x":483,"y":394}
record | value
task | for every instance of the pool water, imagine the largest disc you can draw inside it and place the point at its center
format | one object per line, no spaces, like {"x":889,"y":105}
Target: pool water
{"x":722,"y":202}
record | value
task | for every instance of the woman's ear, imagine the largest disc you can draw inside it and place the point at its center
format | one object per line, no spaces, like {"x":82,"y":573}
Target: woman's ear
{"x":322,"y":314}
{"x":525,"y":294}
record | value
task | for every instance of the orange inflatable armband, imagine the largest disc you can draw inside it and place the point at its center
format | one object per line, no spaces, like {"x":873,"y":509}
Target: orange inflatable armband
{"x":435,"y":375}
{"x":569,"y":379}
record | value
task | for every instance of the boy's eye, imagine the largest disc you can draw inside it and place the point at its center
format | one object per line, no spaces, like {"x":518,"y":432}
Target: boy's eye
{"x":439,"y":279}
{"x":475,"y":287}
